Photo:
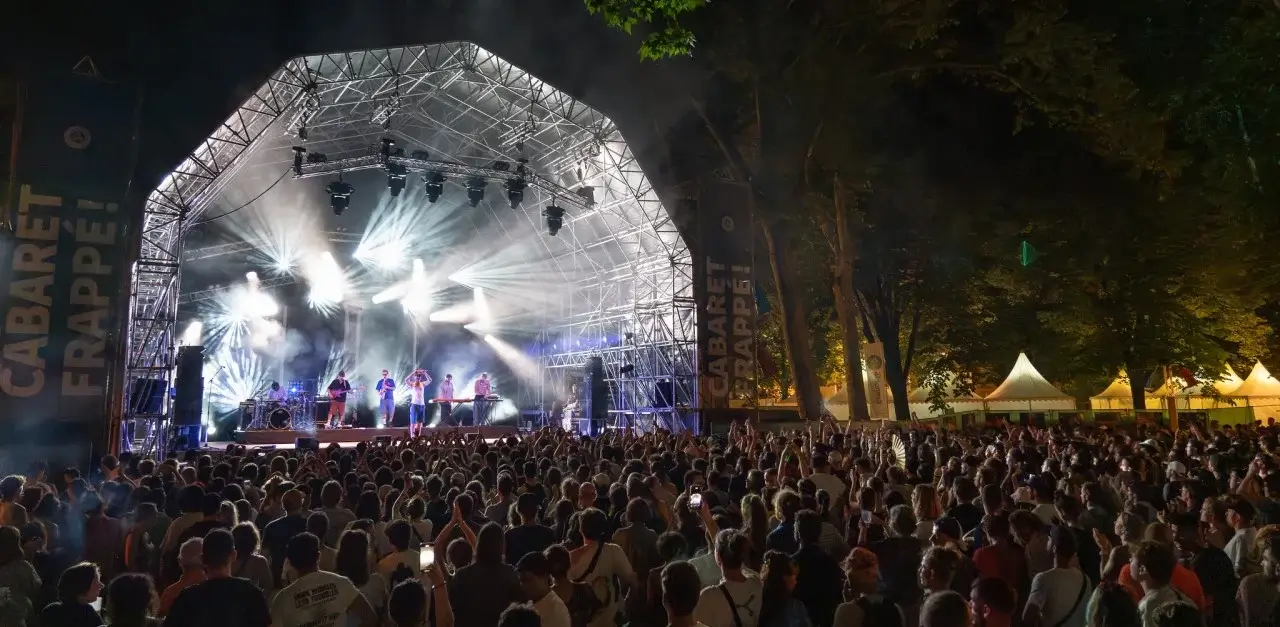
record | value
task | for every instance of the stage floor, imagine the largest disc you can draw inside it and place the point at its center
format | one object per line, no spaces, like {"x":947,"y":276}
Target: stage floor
{"x":353,"y":435}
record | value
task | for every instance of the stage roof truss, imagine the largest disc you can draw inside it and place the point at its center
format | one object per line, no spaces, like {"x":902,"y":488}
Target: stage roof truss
{"x":468,"y":108}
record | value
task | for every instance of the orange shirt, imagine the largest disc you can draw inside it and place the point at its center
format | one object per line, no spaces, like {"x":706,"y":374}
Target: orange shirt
{"x":170,"y":594}
{"x":1184,"y":581}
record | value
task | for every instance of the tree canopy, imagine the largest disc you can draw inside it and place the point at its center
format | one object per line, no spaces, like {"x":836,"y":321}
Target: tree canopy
{"x":1129,"y":151}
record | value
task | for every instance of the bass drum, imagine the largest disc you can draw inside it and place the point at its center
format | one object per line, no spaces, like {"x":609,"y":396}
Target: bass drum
{"x":279,"y":418}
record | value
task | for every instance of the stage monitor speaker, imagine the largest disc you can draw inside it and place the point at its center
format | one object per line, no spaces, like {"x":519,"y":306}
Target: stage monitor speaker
{"x":664,"y":393}
{"x":190,"y":364}
{"x":147,"y":396}
{"x":188,"y":400}
{"x":597,"y":390}
{"x":186,"y":438}
{"x":307,"y":444}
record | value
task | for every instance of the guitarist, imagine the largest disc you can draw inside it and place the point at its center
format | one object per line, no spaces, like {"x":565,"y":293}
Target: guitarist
{"x":338,"y":390}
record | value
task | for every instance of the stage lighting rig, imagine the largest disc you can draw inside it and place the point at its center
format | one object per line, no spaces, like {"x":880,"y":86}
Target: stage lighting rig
{"x":516,"y":186}
{"x":434,"y":185}
{"x":587,"y":194}
{"x":502,"y":166}
{"x":475,"y":190}
{"x":396,"y":175}
{"x":420,"y":155}
{"x":299,"y":154}
{"x":317,"y":157}
{"x":340,"y":193}
{"x":387,"y":145}
{"x":515,"y":191}
{"x":555,"y":219}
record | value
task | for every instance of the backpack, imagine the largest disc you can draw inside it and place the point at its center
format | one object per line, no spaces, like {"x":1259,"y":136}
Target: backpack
{"x":584,"y":602}
{"x":881,"y":613}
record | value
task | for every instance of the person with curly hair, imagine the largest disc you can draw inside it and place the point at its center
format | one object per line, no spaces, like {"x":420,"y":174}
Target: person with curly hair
{"x":779,"y":607}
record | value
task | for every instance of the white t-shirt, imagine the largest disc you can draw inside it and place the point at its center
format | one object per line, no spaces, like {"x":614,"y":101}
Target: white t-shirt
{"x":1046,"y":512}
{"x":831,"y":483}
{"x":376,"y":592}
{"x":552,"y":611}
{"x":613,"y":562}
{"x":713,"y":609}
{"x":387,"y":566}
{"x":417,"y":394}
{"x":1056,"y":591}
{"x":318,"y":599}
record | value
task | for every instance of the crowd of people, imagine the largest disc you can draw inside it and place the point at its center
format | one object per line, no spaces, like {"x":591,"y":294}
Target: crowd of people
{"x":898,"y":526}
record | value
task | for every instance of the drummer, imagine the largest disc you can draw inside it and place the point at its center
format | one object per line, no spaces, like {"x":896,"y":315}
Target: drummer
{"x":276,"y":394}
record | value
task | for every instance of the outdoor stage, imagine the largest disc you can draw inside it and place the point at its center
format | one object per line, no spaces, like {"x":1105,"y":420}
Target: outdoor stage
{"x":279,"y":437}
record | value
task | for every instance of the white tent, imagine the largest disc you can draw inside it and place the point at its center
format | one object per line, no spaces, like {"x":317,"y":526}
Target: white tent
{"x":959,"y":403}
{"x":1118,"y":395}
{"x":1261,"y":391}
{"x":1194,"y":397}
{"x":1025,"y":389}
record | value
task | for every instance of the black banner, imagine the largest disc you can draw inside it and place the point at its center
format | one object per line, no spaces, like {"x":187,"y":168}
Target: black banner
{"x":64,"y":260}
{"x":726,"y":297}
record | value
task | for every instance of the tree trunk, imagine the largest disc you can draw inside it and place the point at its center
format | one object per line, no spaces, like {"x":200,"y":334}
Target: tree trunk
{"x":896,"y":377}
{"x":795,"y":328}
{"x":847,"y":312}
{"x":1138,"y":387}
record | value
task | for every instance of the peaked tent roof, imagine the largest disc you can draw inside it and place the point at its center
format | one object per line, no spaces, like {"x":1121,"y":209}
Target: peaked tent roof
{"x":1119,"y":388}
{"x":1260,"y":383}
{"x":921,"y":394}
{"x":1025,"y":383}
{"x":1173,"y":386}
{"x":1225,"y":385}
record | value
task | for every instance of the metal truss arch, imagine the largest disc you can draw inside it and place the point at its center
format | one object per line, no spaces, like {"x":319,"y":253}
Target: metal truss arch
{"x":628,"y":267}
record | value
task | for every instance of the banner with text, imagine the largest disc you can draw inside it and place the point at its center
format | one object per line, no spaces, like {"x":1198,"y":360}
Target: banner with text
{"x":878,"y":402}
{"x":64,"y":263}
{"x":726,"y":296}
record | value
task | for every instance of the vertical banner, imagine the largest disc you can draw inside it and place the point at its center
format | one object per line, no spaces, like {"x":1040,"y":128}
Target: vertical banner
{"x":725,"y":289}
{"x":63,"y":262}
{"x":878,"y":402}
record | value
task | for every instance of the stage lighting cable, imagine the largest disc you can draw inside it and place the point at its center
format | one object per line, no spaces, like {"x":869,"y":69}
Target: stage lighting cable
{"x":251,"y":201}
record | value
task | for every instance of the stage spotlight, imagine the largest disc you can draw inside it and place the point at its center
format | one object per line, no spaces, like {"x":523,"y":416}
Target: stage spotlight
{"x":194,"y":334}
{"x":627,"y":369}
{"x":434,"y":182}
{"x":340,"y":193}
{"x":251,"y":276}
{"x":475,"y":190}
{"x":299,"y":155}
{"x":387,"y":145}
{"x":396,"y":175}
{"x":555,"y":219}
{"x":587,"y":194}
{"x":515,"y":191}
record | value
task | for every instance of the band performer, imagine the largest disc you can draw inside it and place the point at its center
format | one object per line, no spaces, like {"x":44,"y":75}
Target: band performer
{"x":418,"y":382}
{"x":276,"y":394}
{"x":386,"y":389}
{"x":446,"y":404}
{"x":338,"y":390}
{"x":480,"y":409}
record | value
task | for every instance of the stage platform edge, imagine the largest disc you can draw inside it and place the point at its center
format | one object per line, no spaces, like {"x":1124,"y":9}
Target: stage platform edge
{"x":347,"y":436}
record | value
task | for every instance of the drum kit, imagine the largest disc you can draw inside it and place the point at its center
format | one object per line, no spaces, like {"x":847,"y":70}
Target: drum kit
{"x":291,"y":413}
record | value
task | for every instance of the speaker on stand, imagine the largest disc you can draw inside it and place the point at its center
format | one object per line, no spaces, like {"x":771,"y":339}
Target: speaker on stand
{"x":188,"y":399}
{"x":597,"y":409}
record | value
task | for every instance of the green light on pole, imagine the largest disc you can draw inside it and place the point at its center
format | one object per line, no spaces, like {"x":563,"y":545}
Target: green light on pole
{"x":1026,"y":253}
